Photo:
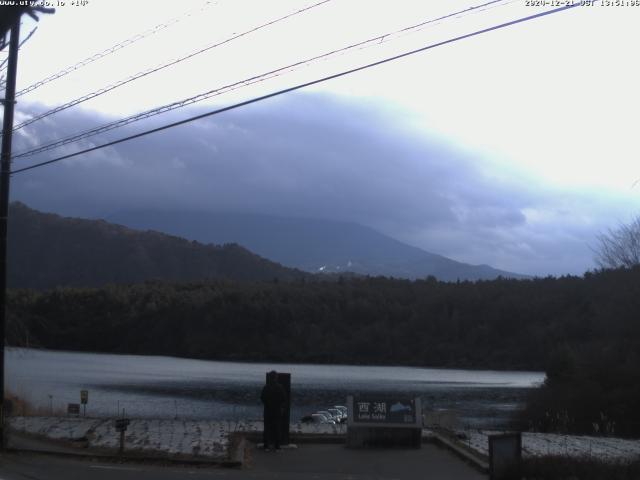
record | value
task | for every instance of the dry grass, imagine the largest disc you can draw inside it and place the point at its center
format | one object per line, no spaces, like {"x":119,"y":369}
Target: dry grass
{"x":564,"y":468}
{"x":18,"y":406}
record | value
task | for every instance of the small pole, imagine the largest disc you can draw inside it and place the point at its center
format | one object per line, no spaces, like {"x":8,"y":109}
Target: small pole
{"x":5,"y":169}
{"x":124,"y":427}
{"x":121,"y":442}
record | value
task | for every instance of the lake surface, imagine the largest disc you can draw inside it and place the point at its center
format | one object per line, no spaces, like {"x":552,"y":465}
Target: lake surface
{"x":153,"y":386}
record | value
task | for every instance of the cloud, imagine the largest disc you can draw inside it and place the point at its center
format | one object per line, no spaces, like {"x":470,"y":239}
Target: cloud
{"x":317,"y":155}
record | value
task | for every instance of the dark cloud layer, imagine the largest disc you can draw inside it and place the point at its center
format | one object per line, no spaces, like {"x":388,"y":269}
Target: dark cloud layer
{"x":313,"y":155}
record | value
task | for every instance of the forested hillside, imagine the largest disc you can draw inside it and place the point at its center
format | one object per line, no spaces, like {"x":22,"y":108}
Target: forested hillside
{"x":585,"y":332}
{"x":46,"y":251}
{"x":498,"y":324}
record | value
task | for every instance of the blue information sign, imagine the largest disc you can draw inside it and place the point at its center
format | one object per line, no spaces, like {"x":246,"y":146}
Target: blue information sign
{"x":384,"y":410}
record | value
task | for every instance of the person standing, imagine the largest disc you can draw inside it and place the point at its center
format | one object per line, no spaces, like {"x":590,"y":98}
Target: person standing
{"x":274,"y":399}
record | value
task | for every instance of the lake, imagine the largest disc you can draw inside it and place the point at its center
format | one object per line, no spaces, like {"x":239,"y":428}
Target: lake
{"x":167,"y":387}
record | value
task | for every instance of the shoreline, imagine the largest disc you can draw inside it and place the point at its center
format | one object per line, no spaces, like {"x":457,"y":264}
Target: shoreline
{"x":295,"y":364}
{"x":210,"y":440}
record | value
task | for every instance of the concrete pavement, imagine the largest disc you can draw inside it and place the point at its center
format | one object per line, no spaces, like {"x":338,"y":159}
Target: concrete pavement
{"x":309,"y":461}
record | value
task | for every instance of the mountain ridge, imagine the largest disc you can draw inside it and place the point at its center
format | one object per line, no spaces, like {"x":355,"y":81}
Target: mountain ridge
{"x":47,"y":250}
{"x":312,"y":245}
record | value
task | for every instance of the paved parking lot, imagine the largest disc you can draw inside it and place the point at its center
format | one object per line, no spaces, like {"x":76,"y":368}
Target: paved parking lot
{"x":334,"y":461}
{"x":309,"y":461}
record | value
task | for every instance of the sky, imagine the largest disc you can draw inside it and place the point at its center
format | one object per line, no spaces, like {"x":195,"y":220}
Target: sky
{"x":513,"y":148}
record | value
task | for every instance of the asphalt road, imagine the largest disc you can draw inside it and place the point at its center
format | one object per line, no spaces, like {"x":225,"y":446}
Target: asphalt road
{"x":330,"y":462}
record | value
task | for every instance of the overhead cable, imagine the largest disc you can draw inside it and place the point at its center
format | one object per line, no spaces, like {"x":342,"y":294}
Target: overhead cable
{"x":297,"y":87}
{"x":3,"y":65}
{"x":157,"y":68}
{"x":386,"y":37}
{"x":108,"y":51}
{"x":4,"y":62}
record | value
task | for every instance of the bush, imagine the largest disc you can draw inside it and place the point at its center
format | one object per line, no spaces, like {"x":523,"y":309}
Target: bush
{"x":564,"y":468}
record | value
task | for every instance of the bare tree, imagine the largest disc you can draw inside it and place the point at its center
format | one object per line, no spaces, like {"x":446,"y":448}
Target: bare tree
{"x":619,"y":247}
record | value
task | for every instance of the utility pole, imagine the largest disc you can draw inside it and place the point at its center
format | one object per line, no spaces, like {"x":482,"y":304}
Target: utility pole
{"x":5,"y":173}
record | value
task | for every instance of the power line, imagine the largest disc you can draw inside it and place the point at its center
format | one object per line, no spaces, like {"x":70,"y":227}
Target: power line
{"x":157,"y":68}
{"x":298,"y":87}
{"x":118,"y":46}
{"x":243,"y":83}
{"x":3,"y":65}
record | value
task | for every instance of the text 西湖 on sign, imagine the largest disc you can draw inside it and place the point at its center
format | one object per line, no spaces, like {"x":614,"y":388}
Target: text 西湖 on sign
{"x":367,"y":410}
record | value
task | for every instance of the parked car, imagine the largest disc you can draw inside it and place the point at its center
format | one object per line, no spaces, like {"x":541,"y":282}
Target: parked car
{"x":337,"y":414}
{"x":315,"y":418}
{"x":343,"y":409}
{"x":320,"y":417}
{"x":329,"y":416}
{"x":333,"y":415}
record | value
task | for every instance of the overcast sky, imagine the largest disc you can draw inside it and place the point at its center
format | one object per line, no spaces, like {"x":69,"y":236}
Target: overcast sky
{"x":514,"y":148}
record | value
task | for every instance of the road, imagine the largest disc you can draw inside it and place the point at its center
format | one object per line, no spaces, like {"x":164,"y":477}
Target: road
{"x":312,"y":462}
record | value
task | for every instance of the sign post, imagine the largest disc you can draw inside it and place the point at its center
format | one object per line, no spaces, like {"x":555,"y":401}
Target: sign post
{"x":384,"y":421}
{"x":73,"y":409}
{"x":84,"y":399}
{"x":121,"y":425}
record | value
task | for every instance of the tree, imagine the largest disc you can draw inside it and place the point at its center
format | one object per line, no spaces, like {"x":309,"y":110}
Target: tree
{"x":619,"y":247}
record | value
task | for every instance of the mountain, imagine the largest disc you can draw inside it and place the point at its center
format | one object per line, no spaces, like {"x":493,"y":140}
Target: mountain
{"x":47,"y":250}
{"x":310,"y":244}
